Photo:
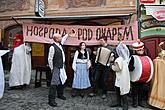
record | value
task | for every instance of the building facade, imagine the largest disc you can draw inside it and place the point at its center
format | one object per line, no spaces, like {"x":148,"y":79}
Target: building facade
{"x":152,"y":23}
{"x":16,"y":12}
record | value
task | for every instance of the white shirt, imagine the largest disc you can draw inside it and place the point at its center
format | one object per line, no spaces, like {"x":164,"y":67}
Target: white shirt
{"x":76,"y":60}
{"x":51,"y":52}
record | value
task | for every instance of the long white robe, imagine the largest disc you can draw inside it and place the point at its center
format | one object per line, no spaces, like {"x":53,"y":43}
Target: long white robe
{"x":122,"y":75}
{"x":20,"y":72}
{"x":2,"y":79}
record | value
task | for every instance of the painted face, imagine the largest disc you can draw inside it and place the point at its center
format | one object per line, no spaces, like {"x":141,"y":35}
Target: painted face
{"x":18,"y":40}
{"x":83,"y":46}
{"x":140,"y":51}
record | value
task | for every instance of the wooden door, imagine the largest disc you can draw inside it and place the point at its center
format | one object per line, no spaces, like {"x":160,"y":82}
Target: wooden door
{"x":40,"y":54}
{"x":162,"y":39}
{"x":152,"y":42}
{"x":69,"y":50}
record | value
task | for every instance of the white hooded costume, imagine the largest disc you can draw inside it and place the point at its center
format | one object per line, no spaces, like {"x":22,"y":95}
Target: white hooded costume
{"x":20,"y":72}
{"x":121,"y":68}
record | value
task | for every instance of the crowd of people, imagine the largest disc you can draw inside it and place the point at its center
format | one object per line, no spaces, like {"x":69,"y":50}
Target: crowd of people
{"x":105,"y":58}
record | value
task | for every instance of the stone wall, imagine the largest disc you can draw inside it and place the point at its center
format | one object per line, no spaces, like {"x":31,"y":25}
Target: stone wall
{"x":61,"y":7}
{"x":9,"y":8}
{"x":13,"y":5}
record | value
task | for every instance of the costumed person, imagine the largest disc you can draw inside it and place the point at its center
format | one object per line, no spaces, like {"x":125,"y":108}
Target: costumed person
{"x":161,"y":53}
{"x":2,"y":77}
{"x":20,"y":73}
{"x":81,"y":65}
{"x":102,"y":68}
{"x":157,"y":90}
{"x":56,"y":61}
{"x":122,"y":82}
{"x":141,"y":72}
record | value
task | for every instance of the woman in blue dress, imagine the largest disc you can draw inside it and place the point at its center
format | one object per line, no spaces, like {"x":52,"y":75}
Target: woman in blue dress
{"x":81,"y":65}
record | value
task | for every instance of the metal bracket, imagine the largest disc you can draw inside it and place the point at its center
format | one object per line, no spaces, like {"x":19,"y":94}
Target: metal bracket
{"x":16,"y":21}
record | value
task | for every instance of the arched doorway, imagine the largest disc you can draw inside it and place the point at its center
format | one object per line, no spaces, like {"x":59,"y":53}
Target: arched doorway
{"x":38,"y":54}
{"x":9,"y":34}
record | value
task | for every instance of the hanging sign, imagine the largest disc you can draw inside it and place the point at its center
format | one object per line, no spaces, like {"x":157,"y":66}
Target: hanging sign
{"x":158,"y":12}
{"x":159,"y":15}
{"x":37,"y":49}
{"x":40,"y":8}
{"x":43,"y":33}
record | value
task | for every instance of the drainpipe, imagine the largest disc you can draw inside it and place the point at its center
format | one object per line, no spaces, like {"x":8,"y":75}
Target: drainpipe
{"x":138,"y":18}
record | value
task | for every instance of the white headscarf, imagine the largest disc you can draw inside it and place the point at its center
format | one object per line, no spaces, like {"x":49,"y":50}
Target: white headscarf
{"x":123,"y":51}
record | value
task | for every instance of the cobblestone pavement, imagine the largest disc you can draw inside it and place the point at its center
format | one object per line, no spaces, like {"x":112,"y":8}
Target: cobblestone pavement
{"x":36,"y":99}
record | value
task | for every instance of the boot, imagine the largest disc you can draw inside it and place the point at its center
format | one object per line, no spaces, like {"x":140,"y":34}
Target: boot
{"x":92,"y":92}
{"x":135,"y":102}
{"x":74,"y":92}
{"x":140,"y":100}
{"x":118,"y":104}
{"x":118,"y":96}
{"x":82,"y":92}
{"x":125,"y":102}
{"x":135,"y":94}
{"x":52,"y":103}
{"x":52,"y":96}
{"x":60,"y":92}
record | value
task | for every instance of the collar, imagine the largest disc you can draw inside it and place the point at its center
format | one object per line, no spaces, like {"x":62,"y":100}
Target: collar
{"x":58,"y":44}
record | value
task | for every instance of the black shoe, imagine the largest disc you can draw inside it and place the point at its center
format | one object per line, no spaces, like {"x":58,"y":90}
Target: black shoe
{"x":11,"y":88}
{"x":52,"y":104}
{"x":116,"y":105}
{"x":141,"y":105}
{"x":92,"y":94}
{"x":62,"y":97}
{"x":82,"y":95}
{"x":23,"y":87}
{"x":15,"y":88}
{"x":125,"y":106}
{"x":73,"y":95}
{"x":134,"y":105}
{"x":103,"y":96}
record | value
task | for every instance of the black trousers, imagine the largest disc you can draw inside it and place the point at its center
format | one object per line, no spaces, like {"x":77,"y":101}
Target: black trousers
{"x":55,"y":90}
{"x":137,"y":92}
{"x":101,"y":75}
{"x":121,"y":98}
